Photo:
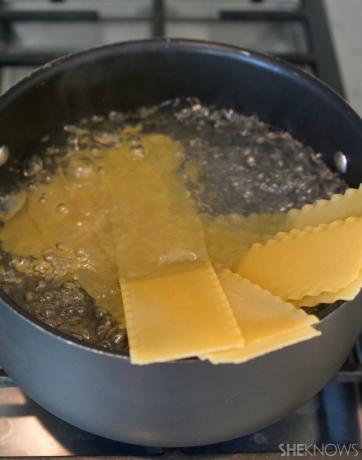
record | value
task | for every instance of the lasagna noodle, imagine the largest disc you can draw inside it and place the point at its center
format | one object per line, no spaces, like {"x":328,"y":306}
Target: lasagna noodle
{"x":228,"y":236}
{"x":262,"y":346}
{"x":307,"y":262}
{"x":174,"y":305}
{"x":268,"y":323}
{"x":338,"y":207}
{"x":347,"y":293}
{"x":97,"y":272}
{"x":178,"y":314}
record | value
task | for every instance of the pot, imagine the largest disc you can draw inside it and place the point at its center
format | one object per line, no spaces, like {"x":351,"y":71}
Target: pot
{"x":190,"y":402}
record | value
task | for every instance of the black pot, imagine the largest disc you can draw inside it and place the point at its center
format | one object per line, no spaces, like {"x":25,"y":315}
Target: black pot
{"x":187,"y":402}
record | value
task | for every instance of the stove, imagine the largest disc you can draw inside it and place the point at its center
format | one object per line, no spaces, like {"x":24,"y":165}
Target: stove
{"x":31,"y":33}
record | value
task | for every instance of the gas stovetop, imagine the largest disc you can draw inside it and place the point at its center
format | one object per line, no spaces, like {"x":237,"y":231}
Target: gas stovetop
{"x":332,"y":420}
{"x":294,"y":30}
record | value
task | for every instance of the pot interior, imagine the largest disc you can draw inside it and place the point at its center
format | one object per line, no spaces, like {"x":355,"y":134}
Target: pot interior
{"x":125,"y":77}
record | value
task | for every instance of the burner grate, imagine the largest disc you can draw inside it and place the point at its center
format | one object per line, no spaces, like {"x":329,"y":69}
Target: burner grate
{"x":320,"y":57}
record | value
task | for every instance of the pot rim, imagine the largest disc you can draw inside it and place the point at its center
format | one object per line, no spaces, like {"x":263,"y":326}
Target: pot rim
{"x":68,"y":60}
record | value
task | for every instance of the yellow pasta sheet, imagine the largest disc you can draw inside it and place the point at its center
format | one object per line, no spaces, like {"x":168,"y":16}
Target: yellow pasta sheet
{"x":267,"y":322}
{"x":338,"y":207}
{"x":152,"y":220}
{"x":97,"y":272}
{"x":347,"y":293}
{"x":60,"y":222}
{"x":174,"y":305}
{"x":179,"y":314}
{"x":56,"y":216}
{"x":307,"y":262}
{"x":228,"y":236}
{"x":21,"y":236}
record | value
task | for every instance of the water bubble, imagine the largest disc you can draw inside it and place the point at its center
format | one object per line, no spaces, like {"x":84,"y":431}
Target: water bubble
{"x":53,"y":151}
{"x":97,"y":119}
{"x":48,"y":256}
{"x":62,"y":209}
{"x":83,"y":258}
{"x":272,"y":135}
{"x":196,"y":105}
{"x":228,"y":113}
{"x":40,"y":286}
{"x":31,"y":187}
{"x":11,"y":204}
{"x":178,"y":254}
{"x":19,"y":261}
{"x":137,"y":151}
{"x":106,"y":138}
{"x":119,"y":337}
{"x":115,"y":116}
{"x":133,"y":139}
{"x":99,"y":313}
{"x":49,"y":312}
{"x":71,"y":129}
{"x":82,"y":170}
{"x":42,"y":198}
{"x":41,"y":267}
{"x":32,"y":166}
{"x":250,"y":160}
{"x":81,"y":309}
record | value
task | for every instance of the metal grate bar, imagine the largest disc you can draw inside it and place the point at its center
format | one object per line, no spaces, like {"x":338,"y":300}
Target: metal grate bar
{"x":48,"y":16}
{"x":278,"y":16}
{"x":321,"y":43}
{"x":298,"y":58}
{"x":28,"y":59}
{"x":158,"y":23}
{"x":34,"y":59}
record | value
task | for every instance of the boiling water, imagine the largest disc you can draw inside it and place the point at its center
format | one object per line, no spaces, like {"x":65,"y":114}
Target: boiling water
{"x":230,"y":163}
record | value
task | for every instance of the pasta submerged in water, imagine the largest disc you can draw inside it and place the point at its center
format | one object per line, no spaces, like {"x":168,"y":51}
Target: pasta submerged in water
{"x":134,"y":232}
{"x":123,"y":224}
